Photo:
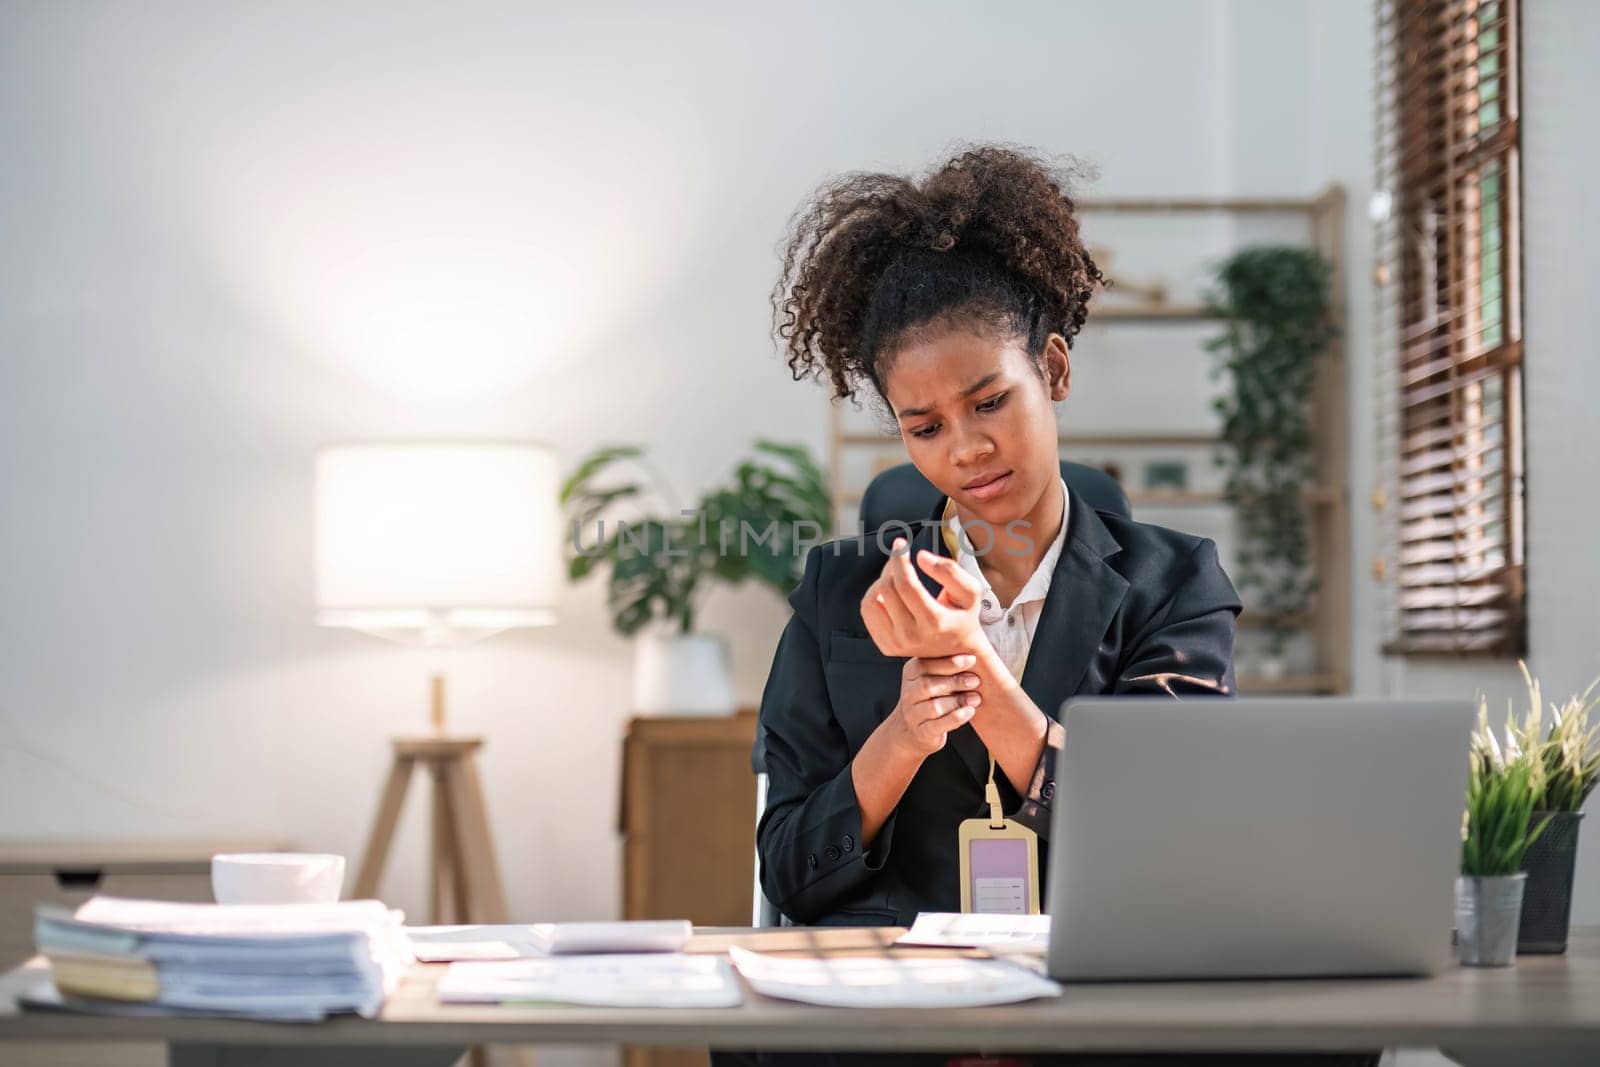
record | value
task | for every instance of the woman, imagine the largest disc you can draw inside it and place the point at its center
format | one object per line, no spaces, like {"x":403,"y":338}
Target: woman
{"x":918,"y":652}
{"x":901,"y":672}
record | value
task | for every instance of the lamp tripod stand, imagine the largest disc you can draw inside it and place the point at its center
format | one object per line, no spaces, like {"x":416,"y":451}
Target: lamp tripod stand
{"x":464,"y":879}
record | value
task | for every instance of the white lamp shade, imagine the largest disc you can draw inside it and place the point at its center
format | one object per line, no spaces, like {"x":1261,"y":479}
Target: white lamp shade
{"x":442,"y":538}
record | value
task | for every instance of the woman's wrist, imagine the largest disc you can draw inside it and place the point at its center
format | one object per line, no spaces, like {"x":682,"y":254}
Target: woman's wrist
{"x":995,"y":680}
{"x":880,"y":773}
{"x":1011,"y":725}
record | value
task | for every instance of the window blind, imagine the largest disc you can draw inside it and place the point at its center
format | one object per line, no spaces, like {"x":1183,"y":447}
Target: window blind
{"x":1448,"y":318}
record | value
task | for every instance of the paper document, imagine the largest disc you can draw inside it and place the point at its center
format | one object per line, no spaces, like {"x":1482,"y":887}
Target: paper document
{"x":46,"y":997}
{"x":274,"y":921}
{"x":440,"y":944}
{"x":646,"y":935}
{"x":879,"y":982}
{"x":443,"y":944}
{"x":619,"y":980}
{"x":1002,"y":933}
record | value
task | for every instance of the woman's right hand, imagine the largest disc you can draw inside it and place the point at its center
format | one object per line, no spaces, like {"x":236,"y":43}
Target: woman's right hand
{"x":937,"y":695}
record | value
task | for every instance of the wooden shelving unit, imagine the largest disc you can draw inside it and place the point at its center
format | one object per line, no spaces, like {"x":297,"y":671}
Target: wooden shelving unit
{"x":1154,"y":313}
{"x":1317,"y":495}
{"x":1302,"y":684}
{"x":1328,"y":622}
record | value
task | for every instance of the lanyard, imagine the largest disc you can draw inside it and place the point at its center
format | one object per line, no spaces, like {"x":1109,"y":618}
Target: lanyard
{"x":991,"y":793}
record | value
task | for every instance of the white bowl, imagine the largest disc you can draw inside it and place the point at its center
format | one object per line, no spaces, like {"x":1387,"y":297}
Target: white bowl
{"x":276,"y":878}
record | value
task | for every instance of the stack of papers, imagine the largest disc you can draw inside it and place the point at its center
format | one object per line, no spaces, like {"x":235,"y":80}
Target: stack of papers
{"x":439,"y":944}
{"x":622,"y":980}
{"x":893,"y":982}
{"x":297,"y":962}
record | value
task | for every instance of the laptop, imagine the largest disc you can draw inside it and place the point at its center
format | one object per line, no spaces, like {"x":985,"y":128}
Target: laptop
{"x":1257,"y":837}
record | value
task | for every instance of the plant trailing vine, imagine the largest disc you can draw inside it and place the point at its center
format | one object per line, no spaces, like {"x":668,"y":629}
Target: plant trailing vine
{"x":1275,"y":302}
{"x":660,"y":567}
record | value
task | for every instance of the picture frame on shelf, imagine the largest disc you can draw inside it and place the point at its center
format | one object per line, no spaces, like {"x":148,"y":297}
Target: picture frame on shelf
{"x":1166,"y":475}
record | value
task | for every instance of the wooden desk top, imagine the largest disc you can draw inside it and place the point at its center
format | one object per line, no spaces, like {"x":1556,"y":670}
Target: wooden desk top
{"x":1544,"y":1002}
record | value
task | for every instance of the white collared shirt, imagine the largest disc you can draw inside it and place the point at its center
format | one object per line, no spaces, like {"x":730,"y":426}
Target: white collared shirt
{"x":1010,"y":629}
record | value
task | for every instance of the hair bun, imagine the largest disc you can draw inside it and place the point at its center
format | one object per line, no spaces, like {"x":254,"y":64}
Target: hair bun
{"x":991,"y":233}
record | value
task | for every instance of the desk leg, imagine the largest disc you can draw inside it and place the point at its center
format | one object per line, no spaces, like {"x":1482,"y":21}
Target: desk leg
{"x":306,"y":1056}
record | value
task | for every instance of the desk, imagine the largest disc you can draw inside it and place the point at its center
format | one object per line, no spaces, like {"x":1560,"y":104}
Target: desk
{"x":1546,"y":1010}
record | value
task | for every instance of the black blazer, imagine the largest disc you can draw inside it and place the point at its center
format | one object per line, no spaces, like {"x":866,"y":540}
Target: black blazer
{"x":1132,"y":608}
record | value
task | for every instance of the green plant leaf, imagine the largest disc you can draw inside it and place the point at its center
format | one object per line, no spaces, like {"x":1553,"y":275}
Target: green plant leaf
{"x":1275,"y":303}
{"x":592,"y":465}
{"x":781,"y":495}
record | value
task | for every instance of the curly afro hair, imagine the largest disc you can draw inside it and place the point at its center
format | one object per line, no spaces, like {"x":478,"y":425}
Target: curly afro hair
{"x":987,"y":240}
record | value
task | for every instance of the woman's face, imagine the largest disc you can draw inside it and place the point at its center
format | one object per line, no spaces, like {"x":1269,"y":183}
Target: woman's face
{"x":974,"y":409}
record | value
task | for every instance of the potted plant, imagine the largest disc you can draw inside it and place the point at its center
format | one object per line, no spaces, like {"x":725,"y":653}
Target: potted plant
{"x":1499,"y":828}
{"x":1275,"y":302}
{"x":661,"y":567}
{"x":1569,"y":751}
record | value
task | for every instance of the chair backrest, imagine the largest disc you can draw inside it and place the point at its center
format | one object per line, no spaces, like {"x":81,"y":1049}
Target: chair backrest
{"x":902,"y":493}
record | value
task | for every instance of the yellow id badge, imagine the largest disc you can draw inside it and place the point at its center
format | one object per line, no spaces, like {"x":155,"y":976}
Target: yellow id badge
{"x":999,"y":868}
{"x":999,"y":862}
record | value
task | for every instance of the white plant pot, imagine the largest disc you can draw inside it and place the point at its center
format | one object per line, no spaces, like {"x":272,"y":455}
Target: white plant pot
{"x":1488,"y":917}
{"x":682,"y":674}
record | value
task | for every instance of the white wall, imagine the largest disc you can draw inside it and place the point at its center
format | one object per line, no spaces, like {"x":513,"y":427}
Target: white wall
{"x":1561,"y":221}
{"x":231,"y":233}
{"x":235,"y":232}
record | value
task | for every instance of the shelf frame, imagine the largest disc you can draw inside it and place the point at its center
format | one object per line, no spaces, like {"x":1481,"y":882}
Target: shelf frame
{"x":1329,"y":622}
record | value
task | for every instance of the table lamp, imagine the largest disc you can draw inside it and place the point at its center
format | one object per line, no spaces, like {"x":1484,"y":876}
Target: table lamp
{"x":438,"y":544}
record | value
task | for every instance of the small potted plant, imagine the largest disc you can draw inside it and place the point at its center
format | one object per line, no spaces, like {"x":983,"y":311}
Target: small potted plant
{"x":1569,"y":750}
{"x":660,"y":567}
{"x":1499,"y":827}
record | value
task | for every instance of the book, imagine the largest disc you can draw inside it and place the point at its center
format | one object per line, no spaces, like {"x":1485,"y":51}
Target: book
{"x":109,"y":977}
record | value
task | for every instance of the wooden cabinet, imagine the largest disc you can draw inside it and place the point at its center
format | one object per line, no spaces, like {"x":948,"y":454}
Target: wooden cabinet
{"x":688,"y":830}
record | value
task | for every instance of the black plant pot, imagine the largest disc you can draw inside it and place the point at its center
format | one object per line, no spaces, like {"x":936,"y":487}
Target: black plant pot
{"x":1547,"y":898}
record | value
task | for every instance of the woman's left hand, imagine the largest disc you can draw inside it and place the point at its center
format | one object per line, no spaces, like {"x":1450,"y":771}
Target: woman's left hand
{"x":905,"y":621}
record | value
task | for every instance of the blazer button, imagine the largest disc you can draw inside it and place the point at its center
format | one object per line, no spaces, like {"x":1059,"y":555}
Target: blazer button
{"x":831,"y":853}
{"x":812,"y":860}
{"x":1048,"y":790}
{"x":849,"y":843}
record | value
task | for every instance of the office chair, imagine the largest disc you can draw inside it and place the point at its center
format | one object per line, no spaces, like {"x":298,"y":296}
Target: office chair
{"x":763,"y":911}
{"x":901,"y":492}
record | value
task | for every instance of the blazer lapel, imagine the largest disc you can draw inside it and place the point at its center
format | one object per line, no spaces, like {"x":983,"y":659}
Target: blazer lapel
{"x":1085,"y":593}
